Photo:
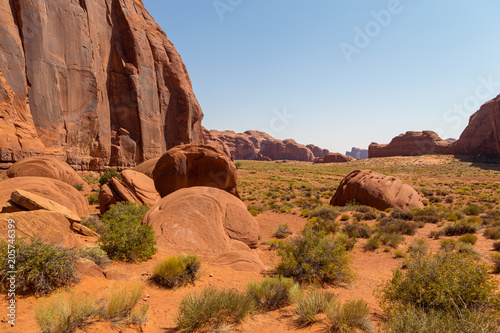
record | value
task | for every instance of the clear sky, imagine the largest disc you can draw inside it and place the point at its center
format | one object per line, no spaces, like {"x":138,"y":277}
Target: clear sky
{"x":337,"y":73}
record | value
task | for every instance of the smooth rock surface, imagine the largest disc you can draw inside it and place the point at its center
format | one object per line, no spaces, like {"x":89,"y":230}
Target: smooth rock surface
{"x":142,"y":186}
{"x":411,"y":144}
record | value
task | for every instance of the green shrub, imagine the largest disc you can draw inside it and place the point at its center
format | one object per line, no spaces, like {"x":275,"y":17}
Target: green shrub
{"x":444,"y":281}
{"x":313,"y":304}
{"x":399,"y":214}
{"x":212,"y":309}
{"x":325,"y":211}
{"x":390,"y":225}
{"x":467,"y":248}
{"x":317,"y":224}
{"x":94,"y":223}
{"x":346,"y":241}
{"x":372,"y":244}
{"x":93,"y":199}
{"x":314,"y":257}
{"x":492,"y":232}
{"x":460,"y":228}
{"x":255,"y":210}
{"x":237,"y":165}
{"x":496,"y":246}
{"x":410,"y":319}
{"x":357,"y":230}
{"x":449,"y":199}
{"x":392,"y":240}
{"x":123,"y":237}
{"x":282,"y":231}
{"x":65,"y":312}
{"x":107,"y":175}
{"x":349,"y":317}
{"x":78,"y":186}
{"x":495,"y":257}
{"x":472,"y":210}
{"x":94,"y":253}
{"x":418,"y":247}
{"x":345,"y":217}
{"x":468,"y":238}
{"x":363,"y":209}
{"x":448,"y":245}
{"x":436,"y":234}
{"x":176,"y":271}
{"x":122,"y":300}
{"x":41,"y":267}
{"x":455,"y":216}
{"x":273,"y":292}
{"x":399,"y":254}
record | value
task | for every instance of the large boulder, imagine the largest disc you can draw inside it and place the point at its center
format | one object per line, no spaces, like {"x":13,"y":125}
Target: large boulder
{"x":482,"y":136}
{"x":46,"y":166}
{"x":55,"y":190}
{"x":207,"y":221}
{"x":411,"y":144}
{"x":115,"y":191}
{"x":142,"y":187}
{"x":334,"y":158}
{"x":49,"y":226}
{"x":376,"y":190}
{"x":147,"y":167}
{"x":93,"y":82}
{"x":31,"y":201}
{"x":194,"y":165}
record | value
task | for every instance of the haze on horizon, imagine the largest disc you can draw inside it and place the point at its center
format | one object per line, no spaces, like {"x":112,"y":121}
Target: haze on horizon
{"x":339,"y":74}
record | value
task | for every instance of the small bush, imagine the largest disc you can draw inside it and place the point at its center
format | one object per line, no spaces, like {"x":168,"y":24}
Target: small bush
{"x":495,"y":257}
{"x":237,"y":165}
{"x":212,"y":309}
{"x":314,"y":257}
{"x":460,"y":228}
{"x":444,"y":281}
{"x":468,"y":238}
{"x":418,"y":247}
{"x":467,"y":248}
{"x":448,"y":245}
{"x":317,"y":224}
{"x":372,"y":244}
{"x":492,"y":232}
{"x":357,"y":230}
{"x":41,"y":267}
{"x":345,"y":217}
{"x":78,"y":186}
{"x":176,"y":271}
{"x":93,"y":199}
{"x":273,"y":292}
{"x":94,"y":223}
{"x":65,"y":312}
{"x":399,"y":254}
{"x":399,"y":214}
{"x":455,"y":216}
{"x":122,"y":299}
{"x":282,"y":231}
{"x":472,"y":210}
{"x":346,"y":241}
{"x":325,"y":211}
{"x":436,"y":234}
{"x":449,"y":199}
{"x":348,"y":317}
{"x":313,"y":304}
{"x":123,"y":237}
{"x":413,"y":319}
{"x":496,"y":246}
{"x":390,"y":225}
{"x":392,"y":240}
{"x":94,"y":253}
{"x":107,"y":175}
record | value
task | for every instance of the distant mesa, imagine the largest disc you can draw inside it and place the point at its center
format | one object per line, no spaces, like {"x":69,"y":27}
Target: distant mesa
{"x":98,"y":84}
{"x":334,"y":158}
{"x":358,"y":153}
{"x":411,"y":144}
{"x":257,"y":145}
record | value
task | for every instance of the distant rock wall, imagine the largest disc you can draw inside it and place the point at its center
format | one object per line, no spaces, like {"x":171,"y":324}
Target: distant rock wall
{"x":411,"y":144}
{"x":94,"y":83}
{"x":358,"y":153}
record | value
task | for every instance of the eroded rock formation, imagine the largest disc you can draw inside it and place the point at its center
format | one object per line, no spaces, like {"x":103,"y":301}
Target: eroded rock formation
{"x":411,"y":144}
{"x":358,"y":153}
{"x":334,"y":158}
{"x":93,"y":82}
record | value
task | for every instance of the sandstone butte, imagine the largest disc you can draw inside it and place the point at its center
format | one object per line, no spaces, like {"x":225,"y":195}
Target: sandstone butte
{"x":258,"y":145}
{"x":481,"y":138}
{"x":95,"y":83}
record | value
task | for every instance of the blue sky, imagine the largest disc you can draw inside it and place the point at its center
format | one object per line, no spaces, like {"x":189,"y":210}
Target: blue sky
{"x":338,"y":73}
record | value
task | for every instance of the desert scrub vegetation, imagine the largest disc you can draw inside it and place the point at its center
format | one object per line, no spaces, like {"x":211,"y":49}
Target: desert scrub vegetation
{"x":94,"y":223}
{"x":357,"y":230}
{"x":273,"y":292}
{"x":310,"y":306}
{"x":93,"y":199}
{"x":95,"y":254}
{"x":211,"y":309}
{"x":314,"y":257}
{"x":177,"y":271}
{"x":123,"y":237}
{"x":461,"y":227}
{"x":282,"y":231}
{"x":41,"y":267}
{"x":391,"y":225}
{"x":122,"y":299}
{"x":65,"y":312}
{"x":317,"y":224}
{"x":107,"y":175}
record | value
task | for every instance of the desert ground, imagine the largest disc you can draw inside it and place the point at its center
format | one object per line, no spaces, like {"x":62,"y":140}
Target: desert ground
{"x":279,"y":193}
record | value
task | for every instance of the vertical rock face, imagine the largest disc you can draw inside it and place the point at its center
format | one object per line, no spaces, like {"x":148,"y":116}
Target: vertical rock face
{"x":93,"y":82}
{"x":482,"y":136}
{"x":411,"y":144}
{"x":317,"y":151}
{"x":358,"y":153}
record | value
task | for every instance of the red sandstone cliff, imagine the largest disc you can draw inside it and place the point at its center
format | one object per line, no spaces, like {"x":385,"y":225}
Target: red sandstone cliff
{"x":94,"y":83}
{"x":411,"y":144}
